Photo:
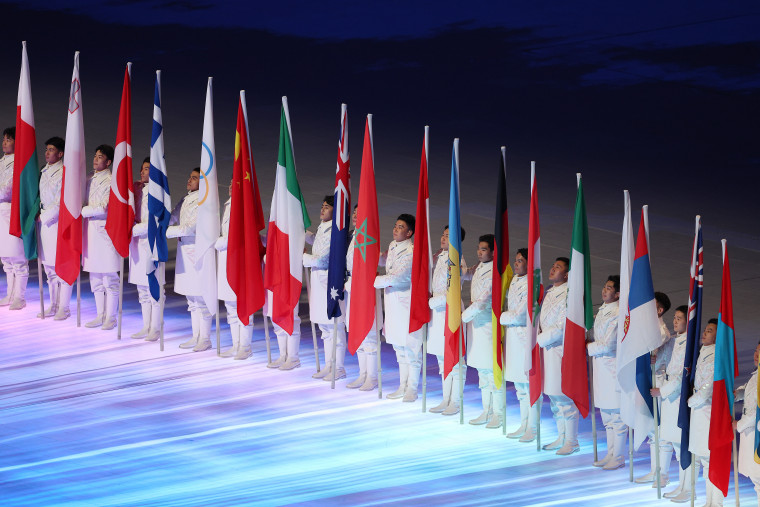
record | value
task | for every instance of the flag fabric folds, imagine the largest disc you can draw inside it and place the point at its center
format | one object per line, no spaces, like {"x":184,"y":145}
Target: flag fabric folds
{"x":366,"y":248}
{"x":68,"y":255}
{"x":159,"y":200}
{"x":580,"y":315}
{"x":627,"y":400}
{"x":757,"y":423}
{"x":288,"y":221}
{"x":25,"y":200}
{"x":121,"y":200}
{"x":721,"y":434}
{"x":641,"y":336}
{"x":693,"y":342}
{"x":452,"y":331}
{"x":244,"y":247}
{"x":336,"y":271}
{"x":422,"y":257}
{"x":502,"y":270}
{"x":535,"y":294}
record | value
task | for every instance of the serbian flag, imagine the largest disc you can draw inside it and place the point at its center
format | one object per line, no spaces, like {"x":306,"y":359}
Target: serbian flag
{"x":535,"y":293}
{"x":69,"y":244}
{"x":641,"y":337}
{"x":502,"y":272}
{"x":693,"y":342}
{"x":246,"y":224}
{"x":721,"y":434}
{"x":452,"y":332}
{"x":121,"y":200}
{"x":422,"y":257}
{"x":159,"y":200}
{"x":25,"y":200}
{"x":366,"y":248}
{"x":580,"y":315}
{"x":288,"y":221}
{"x":336,"y":271}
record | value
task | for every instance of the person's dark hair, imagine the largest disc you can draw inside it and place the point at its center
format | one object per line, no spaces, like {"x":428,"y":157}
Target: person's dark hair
{"x":563,"y":259}
{"x":712,"y":321}
{"x":487,"y":238}
{"x":59,"y":143}
{"x":329,"y":199}
{"x":523,"y":252}
{"x":10,"y":133}
{"x":615,"y":279}
{"x":196,"y":170}
{"x":663,"y":300}
{"x":683,"y":309}
{"x":461,"y":230}
{"x":146,"y":159}
{"x":408,"y":219}
{"x":106,"y":150}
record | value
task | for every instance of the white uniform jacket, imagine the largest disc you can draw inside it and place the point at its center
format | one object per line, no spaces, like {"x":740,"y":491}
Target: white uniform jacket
{"x":98,"y":253}
{"x":701,"y":402}
{"x":51,"y":180}
{"x":139,"y":249}
{"x":224,"y":291}
{"x":478,"y":315}
{"x":516,"y":320}
{"x":10,"y":246}
{"x":602,"y":349}
{"x":551,"y":337}
{"x":437,"y":304}
{"x":187,"y":281}
{"x":746,"y":428}
{"x":670,"y":391}
{"x":397,"y":283}
{"x":318,"y":260}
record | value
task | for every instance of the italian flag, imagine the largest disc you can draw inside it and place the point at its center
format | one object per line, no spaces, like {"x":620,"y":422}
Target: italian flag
{"x":288,"y":221}
{"x":580,"y":317}
{"x":25,"y":201}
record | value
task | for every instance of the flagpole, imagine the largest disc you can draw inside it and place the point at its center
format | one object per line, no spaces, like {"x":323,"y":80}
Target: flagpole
{"x":461,"y":375}
{"x":503,"y":379}
{"x":334,"y":351}
{"x":121,"y":298}
{"x":693,"y":476}
{"x":163,"y":301}
{"x":630,"y":454}
{"x":79,"y":299}
{"x":307,"y":272}
{"x":657,"y":438}
{"x":424,"y":367}
{"x":379,"y":343}
{"x":218,"y":340}
{"x":538,"y":422}
{"x":593,"y":406}
{"x":266,"y":336}
{"x":39,"y":275}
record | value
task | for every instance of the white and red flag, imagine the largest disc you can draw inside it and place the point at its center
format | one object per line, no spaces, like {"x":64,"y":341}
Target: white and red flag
{"x":422,"y":258}
{"x":535,"y":294}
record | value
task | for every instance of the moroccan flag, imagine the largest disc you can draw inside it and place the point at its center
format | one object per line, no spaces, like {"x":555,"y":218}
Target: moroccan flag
{"x":452,"y":331}
{"x":25,"y":200}
{"x":535,"y":293}
{"x":336,"y":271}
{"x":246,"y":224}
{"x":580,"y":316}
{"x":502,"y":272}
{"x":68,"y":254}
{"x":422,"y":257}
{"x":693,"y":341}
{"x":721,"y":434}
{"x":208,"y":225}
{"x":121,"y":199}
{"x":366,"y":248}
{"x":288,"y":221}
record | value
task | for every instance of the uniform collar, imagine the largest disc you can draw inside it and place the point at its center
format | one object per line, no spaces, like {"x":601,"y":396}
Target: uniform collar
{"x":57,"y":165}
{"x":404,"y":243}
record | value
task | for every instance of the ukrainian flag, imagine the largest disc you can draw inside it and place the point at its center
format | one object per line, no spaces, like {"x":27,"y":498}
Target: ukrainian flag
{"x":452,"y":331}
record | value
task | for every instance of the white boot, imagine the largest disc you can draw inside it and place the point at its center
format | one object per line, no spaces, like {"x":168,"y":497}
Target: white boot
{"x":666,"y":455}
{"x":204,"y":333}
{"x":145,"y":308}
{"x":53,"y":294}
{"x":235,"y":334}
{"x":340,"y":357}
{"x":652,"y":462}
{"x":532,"y":428}
{"x":195,"y":323}
{"x":327,"y":345}
{"x":519,"y":432}
{"x":453,"y":393}
{"x":557,"y":444}
{"x":370,"y":383}
{"x":412,"y":382}
{"x":293,"y":344}
{"x":100,"y":303}
{"x":156,"y":318}
{"x":282,"y":345}
{"x":685,"y":494}
{"x":403,"y":374}
{"x":677,"y":491}
{"x":64,"y":299}
{"x":244,"y":343}
{"x":361,"y":356}
{"x":485,"y":397}
{"x":496,"y":420}
{"x":19,"y":293}
{"x":446,"y":389}
{"x":10,"y":279}
{"x":610,"y":447}
{"x":571,"y":435}
{"x":618,"y":450}
{"x":112,"y":308}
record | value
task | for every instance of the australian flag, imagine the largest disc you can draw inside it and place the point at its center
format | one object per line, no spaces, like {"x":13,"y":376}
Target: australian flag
{"x":336,"y":272}
{"x":692,"y":343}
{"x":159,"y":200}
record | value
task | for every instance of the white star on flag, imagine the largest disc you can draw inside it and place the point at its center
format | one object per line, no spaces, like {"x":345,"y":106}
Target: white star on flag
{"x":333,"y":292}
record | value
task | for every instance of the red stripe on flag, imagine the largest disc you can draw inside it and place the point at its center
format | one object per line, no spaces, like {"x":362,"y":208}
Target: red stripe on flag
{"x":574,"y":371}
{"x":285,"y":292}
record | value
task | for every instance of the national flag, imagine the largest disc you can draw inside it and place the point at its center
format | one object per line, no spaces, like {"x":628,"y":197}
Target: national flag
{"x":580,"y":314}
{"x":641,"y":337}
{"x":246,"y":223}
{"x":121,"y":200}
{"x":535,"y":293}
{"x":721,"y":434}
{"x":627,"y":400}
{"x":452,"y":331}
{"x":25,"y":200}
{"x":422,"y":257}
{"x":502,"y":272}
{"x":757,"y":422}
{"x":288,"y":221}
{"x":159,"y":200}
{"x":693,"y":341}
{"x":68,"y":256}
{"x":336,"y":271}
{"x":366,"y":248}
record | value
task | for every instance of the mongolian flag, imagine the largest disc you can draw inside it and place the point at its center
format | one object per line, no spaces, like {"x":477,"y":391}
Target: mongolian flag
{"x":452,"y":331}
{"x":336,"y":271}
{"x":422,"y":259}
{"x":502,"y":272}
{"x":535,"y":293}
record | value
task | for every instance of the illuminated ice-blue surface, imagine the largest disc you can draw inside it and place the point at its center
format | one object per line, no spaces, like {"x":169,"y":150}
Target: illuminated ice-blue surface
{"x":89,"y":420}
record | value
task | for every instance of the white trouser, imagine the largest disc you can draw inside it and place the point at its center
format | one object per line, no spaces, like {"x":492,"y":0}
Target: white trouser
{"x":666,"y":454}
{"x":197,"y":304}
{"x":289,"y":344}
{"x":105,"y":282}
{"x":617,"y":431}
{"x":486,"y":385}
{"x":527,"y":413}
{"x":713,"y":494}
{"x":451,"y":386}
{"x":566,"y":416}
{"x":52,"y":277}
{"x":367,"y":352}
{"x":16,"y":265}
{"x":326,"y":333}
{"x":411,"y":361}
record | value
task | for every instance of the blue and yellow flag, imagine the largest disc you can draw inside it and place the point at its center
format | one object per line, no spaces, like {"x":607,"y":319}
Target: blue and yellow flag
{"x":454,"y":348}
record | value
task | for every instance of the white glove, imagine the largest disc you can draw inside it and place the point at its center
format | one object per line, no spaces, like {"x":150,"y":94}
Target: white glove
{"x":503,"y":319}
{"x":172,"y":232}
{"x":309,"y":237}
{"x":469,"y":313}
{"x":541,"y":339}
{"x":139,"y":230}
{"x":381,"y":282}
{"x":221,"y":244}
{"x":87,"y":211}
{"x":307,"y":260}
{"x":347,"y":285}
{"x":47,"y":217}
{"x":437,"y":302}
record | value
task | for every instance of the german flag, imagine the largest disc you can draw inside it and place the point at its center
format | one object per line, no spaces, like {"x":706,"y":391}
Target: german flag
{"x":502,"y":272}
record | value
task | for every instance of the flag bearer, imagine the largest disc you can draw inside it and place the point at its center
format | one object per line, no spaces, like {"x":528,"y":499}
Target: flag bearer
{"x":749,"y":431}
{"x":12,"y":255}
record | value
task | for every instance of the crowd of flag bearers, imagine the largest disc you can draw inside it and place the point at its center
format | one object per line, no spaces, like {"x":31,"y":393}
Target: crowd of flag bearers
{"x":675,"y":389}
